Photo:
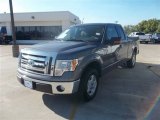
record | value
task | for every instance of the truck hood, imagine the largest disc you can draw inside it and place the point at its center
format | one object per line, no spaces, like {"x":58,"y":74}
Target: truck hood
{"x":61,"y":46}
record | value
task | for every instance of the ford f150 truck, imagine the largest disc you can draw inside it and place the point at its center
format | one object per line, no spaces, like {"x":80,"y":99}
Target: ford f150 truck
{"x":76,"y":59}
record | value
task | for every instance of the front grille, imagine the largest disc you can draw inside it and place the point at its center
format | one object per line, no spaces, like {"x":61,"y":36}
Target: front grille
{"x":35,"y":63}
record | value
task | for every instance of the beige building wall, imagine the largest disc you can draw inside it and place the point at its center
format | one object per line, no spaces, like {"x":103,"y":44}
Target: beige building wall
{"x":59,"y":18}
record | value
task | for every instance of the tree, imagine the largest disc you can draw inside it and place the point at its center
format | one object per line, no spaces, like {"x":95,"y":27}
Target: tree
{"x":158,"y":29}
{"x":146,"y":26}
{"x":142,"y":26}
{"x":152,"y":25}
{"x":130,"y":28}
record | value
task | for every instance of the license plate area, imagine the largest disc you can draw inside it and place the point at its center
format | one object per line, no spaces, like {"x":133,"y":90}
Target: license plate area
{"x":28,"y":84}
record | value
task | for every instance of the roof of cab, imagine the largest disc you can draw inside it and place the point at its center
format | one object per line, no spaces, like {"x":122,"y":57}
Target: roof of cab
{"x":97,"y":24}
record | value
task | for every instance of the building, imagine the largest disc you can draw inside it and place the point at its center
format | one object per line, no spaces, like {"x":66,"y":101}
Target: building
{"x":38,"y":25}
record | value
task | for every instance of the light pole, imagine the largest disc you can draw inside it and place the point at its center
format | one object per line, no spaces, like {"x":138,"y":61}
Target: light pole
{"x":15,"y":48}
{"x":116,"y":22}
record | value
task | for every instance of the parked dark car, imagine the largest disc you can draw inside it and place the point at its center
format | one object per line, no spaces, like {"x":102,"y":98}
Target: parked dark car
{"x":156,"y":37}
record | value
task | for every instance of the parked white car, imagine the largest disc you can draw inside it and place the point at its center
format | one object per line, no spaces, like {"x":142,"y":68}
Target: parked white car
{"x":142,"y":36}
{"x":136,"y":34}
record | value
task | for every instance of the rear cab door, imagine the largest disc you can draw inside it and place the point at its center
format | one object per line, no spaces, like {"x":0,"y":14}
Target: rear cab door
{"x":124,"y":44}
{"x":108,"y":56}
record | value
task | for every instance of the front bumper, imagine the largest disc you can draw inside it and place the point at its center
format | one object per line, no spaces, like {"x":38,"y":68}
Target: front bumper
{"x":51,"y":87}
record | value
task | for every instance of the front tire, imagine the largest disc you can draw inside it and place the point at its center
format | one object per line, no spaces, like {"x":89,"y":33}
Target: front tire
{"x":89,"y":84}
{"x":131,"y":63}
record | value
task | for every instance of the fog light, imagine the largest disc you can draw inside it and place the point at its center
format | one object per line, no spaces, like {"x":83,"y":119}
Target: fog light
{"x":60,"y":88}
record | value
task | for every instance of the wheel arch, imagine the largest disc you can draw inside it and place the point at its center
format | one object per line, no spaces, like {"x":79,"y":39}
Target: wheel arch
{"x":93,"y":64}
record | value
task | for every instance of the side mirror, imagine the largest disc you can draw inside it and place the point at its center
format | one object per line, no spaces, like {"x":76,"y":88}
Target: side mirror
{"x":114,"y":41}
{"x":134,"y":38}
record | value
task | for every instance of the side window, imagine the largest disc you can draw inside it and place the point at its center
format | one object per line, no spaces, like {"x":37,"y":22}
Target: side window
{"x":111,"y":32}
{"x":121,"y":33}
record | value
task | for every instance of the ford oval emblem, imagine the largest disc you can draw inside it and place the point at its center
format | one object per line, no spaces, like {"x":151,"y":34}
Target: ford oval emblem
{"x":30,"y":62}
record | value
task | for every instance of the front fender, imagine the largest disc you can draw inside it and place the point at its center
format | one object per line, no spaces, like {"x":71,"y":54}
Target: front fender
{"x":86,"y":61}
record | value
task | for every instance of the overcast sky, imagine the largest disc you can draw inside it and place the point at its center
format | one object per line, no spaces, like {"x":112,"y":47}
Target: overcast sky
{"x":124,"y":11}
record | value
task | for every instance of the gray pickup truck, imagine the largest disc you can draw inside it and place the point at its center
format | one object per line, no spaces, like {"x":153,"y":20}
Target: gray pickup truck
{"x":76,"y":59}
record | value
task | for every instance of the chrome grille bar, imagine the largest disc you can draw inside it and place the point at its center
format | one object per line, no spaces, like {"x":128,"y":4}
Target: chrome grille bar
{"x":25,"y":56}
{"x":35,"y":64}
{"x":31,"y":68}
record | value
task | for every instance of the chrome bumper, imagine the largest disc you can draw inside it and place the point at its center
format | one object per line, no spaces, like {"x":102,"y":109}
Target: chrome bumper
{"x":56,"y":87}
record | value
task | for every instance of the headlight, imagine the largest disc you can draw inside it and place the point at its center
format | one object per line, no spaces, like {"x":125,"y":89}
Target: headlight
{"x":64,"y":66}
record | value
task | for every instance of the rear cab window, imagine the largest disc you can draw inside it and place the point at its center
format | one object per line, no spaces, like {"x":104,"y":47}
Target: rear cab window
{"x":111,"y":32}
{"x":121,"y":33}
{"x":140,"y":33}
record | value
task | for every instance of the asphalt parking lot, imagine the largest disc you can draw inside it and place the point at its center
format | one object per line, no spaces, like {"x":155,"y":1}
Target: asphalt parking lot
{"x":124,"y":94}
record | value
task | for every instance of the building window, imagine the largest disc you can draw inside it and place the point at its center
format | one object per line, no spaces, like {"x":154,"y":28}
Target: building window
{"x":37,"y":32}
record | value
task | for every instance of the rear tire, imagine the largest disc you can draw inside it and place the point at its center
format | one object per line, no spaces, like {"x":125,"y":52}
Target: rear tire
{"x":89,"y":84}
{"x":131,"y":63}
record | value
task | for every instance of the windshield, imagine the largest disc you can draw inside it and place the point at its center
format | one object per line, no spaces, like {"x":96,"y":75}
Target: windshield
{"x":158,"y":34}
{"x":83,"y":33}
{"x":140,"y":34}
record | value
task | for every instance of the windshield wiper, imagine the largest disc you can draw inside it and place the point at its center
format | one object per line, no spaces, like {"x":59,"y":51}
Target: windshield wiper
{"x":79,"y":40}
{"x":58,"y":39}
